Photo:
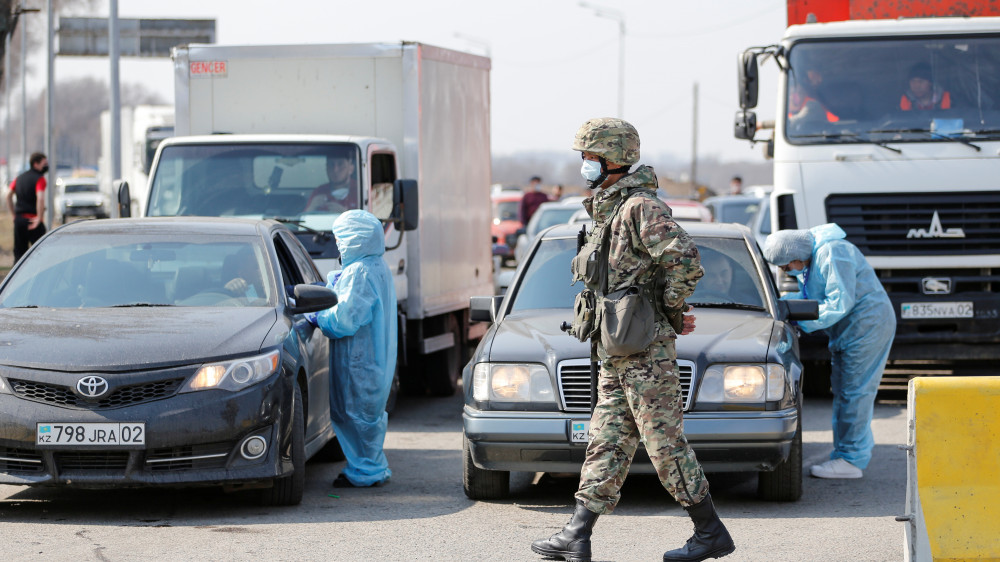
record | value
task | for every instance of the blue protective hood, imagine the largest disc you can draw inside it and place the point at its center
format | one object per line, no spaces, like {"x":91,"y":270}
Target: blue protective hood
{"x":825,"y":233}
{"x":358,"y":234}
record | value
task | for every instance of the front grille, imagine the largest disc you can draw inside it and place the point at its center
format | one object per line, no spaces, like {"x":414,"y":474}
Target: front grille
{"x":190,"y":457}
{"x":19,"y":460}
{"x":908,"y":281}
{"x":574,"y":384}
{"x":123,"y":396}
{"x":890,"y":224}
{"x":96,"y":460}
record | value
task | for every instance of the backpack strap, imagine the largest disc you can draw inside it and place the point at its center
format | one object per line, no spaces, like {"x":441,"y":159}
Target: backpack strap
{"x":606,"y":235}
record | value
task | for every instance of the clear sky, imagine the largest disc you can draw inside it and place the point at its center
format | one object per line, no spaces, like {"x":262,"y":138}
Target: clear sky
{"x":555,"y":63}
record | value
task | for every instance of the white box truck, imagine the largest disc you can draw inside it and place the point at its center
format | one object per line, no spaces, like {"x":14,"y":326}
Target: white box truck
{"x":143,"y":128}
{"x":888,"y":124}
{"x":258,"y":126}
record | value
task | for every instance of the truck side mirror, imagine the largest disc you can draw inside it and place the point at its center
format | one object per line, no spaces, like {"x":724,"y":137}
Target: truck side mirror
{"x":405,"y":204}
{"x":745,"y":125}
{"x":124,"y":198}
{"x":747,"y":71}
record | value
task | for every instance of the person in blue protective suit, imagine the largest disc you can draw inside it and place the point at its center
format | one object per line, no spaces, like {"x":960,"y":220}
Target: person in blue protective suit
{"x":362,"y":326}
{"x":856,"y":314}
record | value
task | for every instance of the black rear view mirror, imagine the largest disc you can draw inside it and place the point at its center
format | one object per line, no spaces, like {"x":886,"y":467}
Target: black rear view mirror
{"x":747,"y":79}
{"x":120,"y":187}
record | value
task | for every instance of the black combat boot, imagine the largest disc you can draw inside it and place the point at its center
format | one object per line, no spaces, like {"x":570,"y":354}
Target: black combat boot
{"x":710,"y":539}
{"x":573,"y":542}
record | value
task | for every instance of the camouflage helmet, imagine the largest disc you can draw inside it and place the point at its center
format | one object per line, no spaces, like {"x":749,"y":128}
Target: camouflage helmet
{"x":616,"y":140}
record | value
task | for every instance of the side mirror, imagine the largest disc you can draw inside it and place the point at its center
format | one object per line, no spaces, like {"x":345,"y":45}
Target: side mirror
{"x":799,"y":309}
{"x":312,"y":298}
{"x":745,"y":125}
{"x":746,"y":69}
{"x":484,"y":309}
{"x":405,"y":204}
{"x":124,"y":198}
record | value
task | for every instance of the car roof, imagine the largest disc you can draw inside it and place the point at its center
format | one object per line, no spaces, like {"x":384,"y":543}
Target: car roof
{"x":208,"y":226}
{"x":572,"y":201}
{"x":701,"y":229}
{"x":739,"y":198}
{"x":506,"y":195}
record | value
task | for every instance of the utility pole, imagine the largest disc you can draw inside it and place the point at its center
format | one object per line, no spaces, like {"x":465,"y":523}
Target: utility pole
{"x":603,"y":12}
{"x":694,"y":145}
{"x":50,"y":152}
{"x":115,"y":109}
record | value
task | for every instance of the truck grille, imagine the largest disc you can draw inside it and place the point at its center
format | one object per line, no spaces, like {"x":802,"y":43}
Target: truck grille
{"x":61,"y":395}
{"x":908,"y":281}
{"x":574,"y":384}
{"x":879,"y":223}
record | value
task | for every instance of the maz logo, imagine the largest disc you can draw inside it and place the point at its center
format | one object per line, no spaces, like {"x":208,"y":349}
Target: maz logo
{"x":936,"y":231}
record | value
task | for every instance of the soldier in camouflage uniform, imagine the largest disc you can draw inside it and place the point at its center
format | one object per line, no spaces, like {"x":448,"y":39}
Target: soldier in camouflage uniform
{"x":639,"y":396}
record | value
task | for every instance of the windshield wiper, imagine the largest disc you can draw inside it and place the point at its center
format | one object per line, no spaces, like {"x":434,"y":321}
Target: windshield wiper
{"x":26,"y":306}
{"x":962,"y":140}
{"x":319,"y":234}
{"x":736,"y":305}
{"x":834,"y":136}
{"x":139,"y":304}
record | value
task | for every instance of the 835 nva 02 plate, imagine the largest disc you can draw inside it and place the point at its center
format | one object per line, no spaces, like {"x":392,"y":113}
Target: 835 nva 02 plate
{"x":103,"y":435}
{"x":917,"y":310}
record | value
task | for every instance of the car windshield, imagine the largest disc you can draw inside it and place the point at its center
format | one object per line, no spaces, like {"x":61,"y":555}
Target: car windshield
{"x":507,"y":210}
{"x":81,"y":187}
{"x":740,"y":212}
{"x":131,"y":269}
{"x":307,"y":184}
{"x":730,"y":280}
{"x":549,"y":217}
{"x":918,"y":89}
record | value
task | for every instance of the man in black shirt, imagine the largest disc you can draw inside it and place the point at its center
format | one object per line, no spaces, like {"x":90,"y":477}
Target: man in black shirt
{"x":29,"y":209}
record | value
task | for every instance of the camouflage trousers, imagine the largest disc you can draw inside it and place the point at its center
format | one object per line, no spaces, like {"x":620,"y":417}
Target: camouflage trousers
{"x":639,"y":397}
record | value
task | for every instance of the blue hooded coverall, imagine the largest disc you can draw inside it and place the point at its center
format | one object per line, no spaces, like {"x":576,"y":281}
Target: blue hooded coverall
{"x":363,"y":328}
{"x":860,"y":321}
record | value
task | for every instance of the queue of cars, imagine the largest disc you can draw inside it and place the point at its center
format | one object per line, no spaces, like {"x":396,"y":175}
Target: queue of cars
{"x":130,"y":359}
{"x":527,"y":387}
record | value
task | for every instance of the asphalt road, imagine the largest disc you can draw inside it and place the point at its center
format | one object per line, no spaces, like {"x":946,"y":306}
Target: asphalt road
{"x":422,"y":513}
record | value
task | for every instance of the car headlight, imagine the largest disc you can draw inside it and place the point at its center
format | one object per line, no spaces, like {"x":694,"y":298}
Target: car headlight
{"x":509,"y":382}
{"x":4,"y":389}
{"x":743,"y":383}
{"x":234,"y":375}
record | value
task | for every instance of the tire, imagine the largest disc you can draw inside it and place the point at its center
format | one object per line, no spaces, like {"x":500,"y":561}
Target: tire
{"x":288,"y":490}
{"x":442,"y":369}
{"x":479,"y":483}
{"x":784,"y":483}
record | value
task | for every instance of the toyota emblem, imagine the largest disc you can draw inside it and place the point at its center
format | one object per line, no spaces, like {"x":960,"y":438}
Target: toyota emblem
{"x":92,"y":387}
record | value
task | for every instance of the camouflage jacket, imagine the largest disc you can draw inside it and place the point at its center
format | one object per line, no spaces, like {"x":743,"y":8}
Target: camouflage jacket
{"x":644,"y":239}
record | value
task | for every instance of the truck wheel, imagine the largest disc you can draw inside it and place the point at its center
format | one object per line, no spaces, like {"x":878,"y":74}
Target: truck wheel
{"x":784,"y":483}
{"x":288,"y":490}
{"x":479,"y":483}
{"x":442,"y":369}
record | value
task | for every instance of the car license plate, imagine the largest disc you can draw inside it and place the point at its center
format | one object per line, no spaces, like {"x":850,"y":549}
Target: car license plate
{"x":91,"y":434}
{"x":579,"y":430}
{"x":917,"y":310}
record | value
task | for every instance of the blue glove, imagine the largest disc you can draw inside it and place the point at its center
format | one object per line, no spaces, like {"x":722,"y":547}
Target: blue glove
{"x":312,"y":319}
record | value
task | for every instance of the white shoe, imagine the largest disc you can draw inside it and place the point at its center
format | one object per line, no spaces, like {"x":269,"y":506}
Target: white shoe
{"x":835,"y":468}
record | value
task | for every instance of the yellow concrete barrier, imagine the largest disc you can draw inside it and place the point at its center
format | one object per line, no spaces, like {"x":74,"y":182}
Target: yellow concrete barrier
{"x":953,"y":484}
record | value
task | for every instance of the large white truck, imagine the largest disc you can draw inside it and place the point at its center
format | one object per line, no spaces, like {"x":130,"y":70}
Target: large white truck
{"x":889,"y":125}
{"x":143,"y":127}
{"x":257,"y":126}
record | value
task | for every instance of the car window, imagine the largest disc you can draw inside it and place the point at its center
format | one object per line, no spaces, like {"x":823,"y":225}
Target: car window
{"x":730,"y":279}
{"x":129,"y":269}
{"x":507,"y":210}
{"x":549,"y":217}
{"x":740,"y":213}
{"x":306,"y":267}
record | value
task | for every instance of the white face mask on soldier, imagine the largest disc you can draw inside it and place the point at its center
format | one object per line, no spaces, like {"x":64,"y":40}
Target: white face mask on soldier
{"x":591,"y":170}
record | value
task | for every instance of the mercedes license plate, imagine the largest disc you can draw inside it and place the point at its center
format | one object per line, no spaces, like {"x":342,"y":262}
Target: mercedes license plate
{"x":91,"y":434}
{"x":918,"y":310}
{"x":579,"y":431}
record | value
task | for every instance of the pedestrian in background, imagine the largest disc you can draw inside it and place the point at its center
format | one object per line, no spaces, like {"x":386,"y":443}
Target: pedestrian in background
{"x":533,"y":198}
{"x":639,"y":395}
{"x":856,"y":314}
{"x":29,"y":209}
{"x":736,"y":185}
{"x":363,"y":327}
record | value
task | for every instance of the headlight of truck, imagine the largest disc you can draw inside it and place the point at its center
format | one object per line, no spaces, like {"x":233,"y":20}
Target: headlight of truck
{"x":234,"y":375}
{"x":510,"y":382}
{"x":743,"y":383}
